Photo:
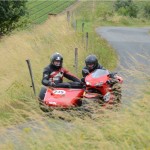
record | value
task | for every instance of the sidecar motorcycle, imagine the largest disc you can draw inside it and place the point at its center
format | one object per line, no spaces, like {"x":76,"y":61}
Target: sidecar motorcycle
{"x":100,"y":85}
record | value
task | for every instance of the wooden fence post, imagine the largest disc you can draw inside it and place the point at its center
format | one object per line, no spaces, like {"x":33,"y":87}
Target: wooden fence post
{"x":82,"y":26}
{"x":87,"y":37}
{"x":68,"y":16}
{"x":31,"y":75}
{"x":76,"y":60}
{"x":82,"y":32}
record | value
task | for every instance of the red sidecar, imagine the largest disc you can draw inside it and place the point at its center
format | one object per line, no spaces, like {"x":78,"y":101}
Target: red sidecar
{"x":61,"y":97}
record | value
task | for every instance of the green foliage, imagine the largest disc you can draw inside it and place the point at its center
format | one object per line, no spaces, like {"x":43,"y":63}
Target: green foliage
{"x":126,"y":8}
{"x":10,"y":13}
{"x":17,"y":14}
{"x":147,"y":10}
{"x":95,"y":10}
{"x":125,"y":21}
{"x":122,"y":3}
{"x":104,"y":11}
{"x":98,"y":11}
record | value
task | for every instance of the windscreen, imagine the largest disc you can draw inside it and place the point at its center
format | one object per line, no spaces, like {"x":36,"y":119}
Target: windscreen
{"x":99,"y":72}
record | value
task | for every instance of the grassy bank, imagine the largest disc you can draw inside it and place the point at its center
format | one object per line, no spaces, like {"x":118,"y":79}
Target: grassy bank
{"x":37,"y":44}
{"x":84,"y":20}
{"x":126,"y":128}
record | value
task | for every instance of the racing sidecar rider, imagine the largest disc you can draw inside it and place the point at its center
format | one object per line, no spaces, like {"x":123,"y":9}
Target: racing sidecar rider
{"x":91,"y":64}
{"x":53,"y":74}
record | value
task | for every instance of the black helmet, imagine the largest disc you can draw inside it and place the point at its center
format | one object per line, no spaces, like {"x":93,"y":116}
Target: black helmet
{"x":91,"y":60}
{"x":56,"y":57}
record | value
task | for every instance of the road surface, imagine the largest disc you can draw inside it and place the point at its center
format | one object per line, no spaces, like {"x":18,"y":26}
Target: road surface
{"x":133,"y":48}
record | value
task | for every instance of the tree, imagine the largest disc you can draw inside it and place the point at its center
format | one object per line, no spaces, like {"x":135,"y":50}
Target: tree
{"x":10,"y":13}
{"x":126,"y":8}
{"x":147,"y":10}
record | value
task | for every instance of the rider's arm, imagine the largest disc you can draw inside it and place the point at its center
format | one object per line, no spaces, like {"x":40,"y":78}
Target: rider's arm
{"x":70,"y":76}
{"x":45,"y":79}
{"x":85,"y":72}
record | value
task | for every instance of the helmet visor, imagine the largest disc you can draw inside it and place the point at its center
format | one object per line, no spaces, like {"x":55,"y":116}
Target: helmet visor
{"x":90,"y":66}
{"x":57,"y":63}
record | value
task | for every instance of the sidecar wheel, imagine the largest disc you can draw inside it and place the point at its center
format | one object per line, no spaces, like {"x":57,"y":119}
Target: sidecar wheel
{"x":79,"y":102}
{"x":42,"y":93}
{"x":41,"y":99}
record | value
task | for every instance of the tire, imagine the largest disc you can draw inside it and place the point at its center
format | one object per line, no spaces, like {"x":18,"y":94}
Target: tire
{"x":42,"y":93}
{"x":116,"y":90}
{"x":79,"y":102}
{"x":41,"y":99}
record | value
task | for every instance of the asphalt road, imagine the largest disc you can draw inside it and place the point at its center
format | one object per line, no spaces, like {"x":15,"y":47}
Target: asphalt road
{"x":133,"y":48}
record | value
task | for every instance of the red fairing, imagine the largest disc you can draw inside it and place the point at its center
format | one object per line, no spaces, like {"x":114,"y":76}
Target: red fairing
{"x":62,"y":97}
{"x":93,"y":79}
{"x":99,"y":84}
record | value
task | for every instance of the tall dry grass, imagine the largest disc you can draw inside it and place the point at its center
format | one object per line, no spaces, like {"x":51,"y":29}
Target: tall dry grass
{"x":36,"y":44}
{"x":127,"y":128}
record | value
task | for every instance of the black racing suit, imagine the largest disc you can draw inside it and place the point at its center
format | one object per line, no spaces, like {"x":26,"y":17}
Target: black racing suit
{"x":84,"y":74}
{"x":51,"y":74}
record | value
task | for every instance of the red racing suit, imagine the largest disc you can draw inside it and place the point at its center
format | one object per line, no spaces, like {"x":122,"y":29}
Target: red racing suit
{"x":54,"y":75}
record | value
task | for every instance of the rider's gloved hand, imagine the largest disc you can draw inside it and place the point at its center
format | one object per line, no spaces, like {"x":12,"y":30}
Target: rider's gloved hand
{"x":109,"y":82}
{"x":52,"y":84}
{"x":83,"y":80}
{"x":82,"y":84}
{"x":112,"y":75}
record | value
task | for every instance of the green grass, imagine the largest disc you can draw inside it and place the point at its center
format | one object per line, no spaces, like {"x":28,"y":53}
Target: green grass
{"x":103,"y":14}
{"x":39,"y":10}
{"x":127,"y":128}
{"x":106,"y":55}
